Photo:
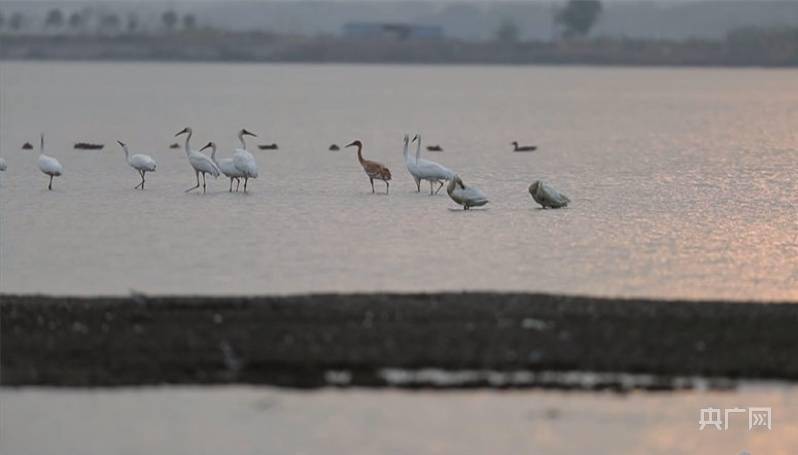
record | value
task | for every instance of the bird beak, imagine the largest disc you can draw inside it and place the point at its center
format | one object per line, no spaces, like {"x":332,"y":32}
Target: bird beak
{"x":349,"y":145}
{"x":206,"y":146}
{"x":415,"y":138}
{"x":121,"y":143}
{"x":181,"y":132}
{"x":250,"y":134}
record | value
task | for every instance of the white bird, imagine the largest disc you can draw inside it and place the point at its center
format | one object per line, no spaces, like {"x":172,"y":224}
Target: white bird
{"x":411,"y":163}
{"x":225,"y":165}
{"x":3,"y":166}
{"x":141,"y":163}
{"x":49,"y":165}
{"x":244,"y":161}
{"x":467,"y":196}
{"x":201,"y":163}
{"x":430,"y":170}
{"x":547,"y":196}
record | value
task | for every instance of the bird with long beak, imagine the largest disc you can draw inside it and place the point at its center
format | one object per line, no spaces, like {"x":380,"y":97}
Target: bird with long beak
{"x":225,"y":165}
{"x":243,"y":160}
{"x":467,"y":196}
{"x":547,"y":196}
{"x":374,"y":170}
{"x":141,"y":163}
{"x":201,"y":163}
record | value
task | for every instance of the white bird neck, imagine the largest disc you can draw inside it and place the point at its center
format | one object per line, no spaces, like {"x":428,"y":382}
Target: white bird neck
{"x":241,"y":138}
{"x":41,"y":144}
{"x":188,"y":138}
{"x":127,"y":157}
{"x":418,"y":148}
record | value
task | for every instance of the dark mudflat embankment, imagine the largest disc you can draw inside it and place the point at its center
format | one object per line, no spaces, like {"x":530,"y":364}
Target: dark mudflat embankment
{"x":309,"y":341}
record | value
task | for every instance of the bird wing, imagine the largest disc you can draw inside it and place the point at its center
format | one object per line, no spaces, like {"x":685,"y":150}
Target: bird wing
{"x":431,"y":170}
{"x":143,"y":162}
{"x":202,"y":163}
{"x":228,"y":168}
{"x":470,"y":195}
{"x":376,"y":170}
{"x":549,"y":197}
{"x":50,"y":165}
{"x":245,"y":163}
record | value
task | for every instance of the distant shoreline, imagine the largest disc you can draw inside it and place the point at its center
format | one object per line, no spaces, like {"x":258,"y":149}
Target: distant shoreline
{"x":397,"y":340}
{"x":209,"y":46}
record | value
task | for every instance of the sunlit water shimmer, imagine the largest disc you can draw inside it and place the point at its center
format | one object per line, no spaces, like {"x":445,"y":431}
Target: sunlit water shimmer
{"x":683,"y":181}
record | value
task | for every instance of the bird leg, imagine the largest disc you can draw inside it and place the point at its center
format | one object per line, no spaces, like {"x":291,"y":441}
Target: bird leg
{"x":430,"y":187}
{"x":141,"y":183}
{"x":231,"y":185}
{"x":418,"y":185}
{"x":387,"y":187}
{"x":439,"y":187}
{"x":238,"y":183}
{"x":246,"y":179}
{"x":50,"y":185}
{"x":203,"y":182}
{"x":194,"y":187}
{"x":370,"y":180}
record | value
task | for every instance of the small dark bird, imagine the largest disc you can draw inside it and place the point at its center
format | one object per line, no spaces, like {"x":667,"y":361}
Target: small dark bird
{"x":523,"y":148}
{"x":27,"y":146}
{"x":88,"y":146}
{"x":434,"y":148}
{"x":174,"y":146}
{"x":268,"y":146}
{"x":334,"y":148}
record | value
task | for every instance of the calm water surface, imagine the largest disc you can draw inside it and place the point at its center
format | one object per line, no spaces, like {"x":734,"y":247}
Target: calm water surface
{"x":683,"y":181}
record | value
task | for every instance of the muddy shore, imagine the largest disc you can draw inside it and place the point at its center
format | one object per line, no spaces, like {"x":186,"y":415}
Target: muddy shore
{"x":371,"y":340}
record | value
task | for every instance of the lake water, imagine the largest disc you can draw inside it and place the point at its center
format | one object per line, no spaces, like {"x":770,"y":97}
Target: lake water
{"x":256,"y":420}
{"x":683,"y":181}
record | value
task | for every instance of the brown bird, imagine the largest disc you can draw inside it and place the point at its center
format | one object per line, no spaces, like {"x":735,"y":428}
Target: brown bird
{"x":373,"y":169}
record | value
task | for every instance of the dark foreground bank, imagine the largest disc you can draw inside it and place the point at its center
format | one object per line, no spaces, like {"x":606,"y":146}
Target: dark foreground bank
{"x":470,"y":340}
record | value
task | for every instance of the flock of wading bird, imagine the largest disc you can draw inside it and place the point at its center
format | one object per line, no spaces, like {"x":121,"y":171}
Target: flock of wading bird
{"x":242,"y":165}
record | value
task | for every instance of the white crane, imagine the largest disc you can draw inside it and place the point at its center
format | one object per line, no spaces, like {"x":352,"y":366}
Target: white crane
{"x":547,"y":196}
{"x":430,"y":170}
{"x":49,"y":165}
{"x":244,"y":161}
{"x":141,"y":163}
{"x":201,"y":163}
{"x":411,"y":163}
{"x":467,"y":196}
{"x":225,"y":165}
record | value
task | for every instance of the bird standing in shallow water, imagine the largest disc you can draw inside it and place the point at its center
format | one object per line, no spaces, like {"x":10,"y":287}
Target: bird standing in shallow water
{"x":373,"y":169}
{"x":141,"y":163}
{"x":244,"y":161}
{"x":467,"y":196}
{"x":430,"y":170}
{"x":547,"y":196}
{"x":49,"y":165}
{"x":201,"y":163}
{"x":226,"y":166}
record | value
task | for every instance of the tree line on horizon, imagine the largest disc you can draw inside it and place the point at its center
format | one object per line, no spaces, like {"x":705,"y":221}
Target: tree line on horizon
{"x":87,"y":20}
{"x":575,"y":19}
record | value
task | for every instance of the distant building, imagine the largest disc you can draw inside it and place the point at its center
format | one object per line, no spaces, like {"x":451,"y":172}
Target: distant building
{"x":398,"y":31}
